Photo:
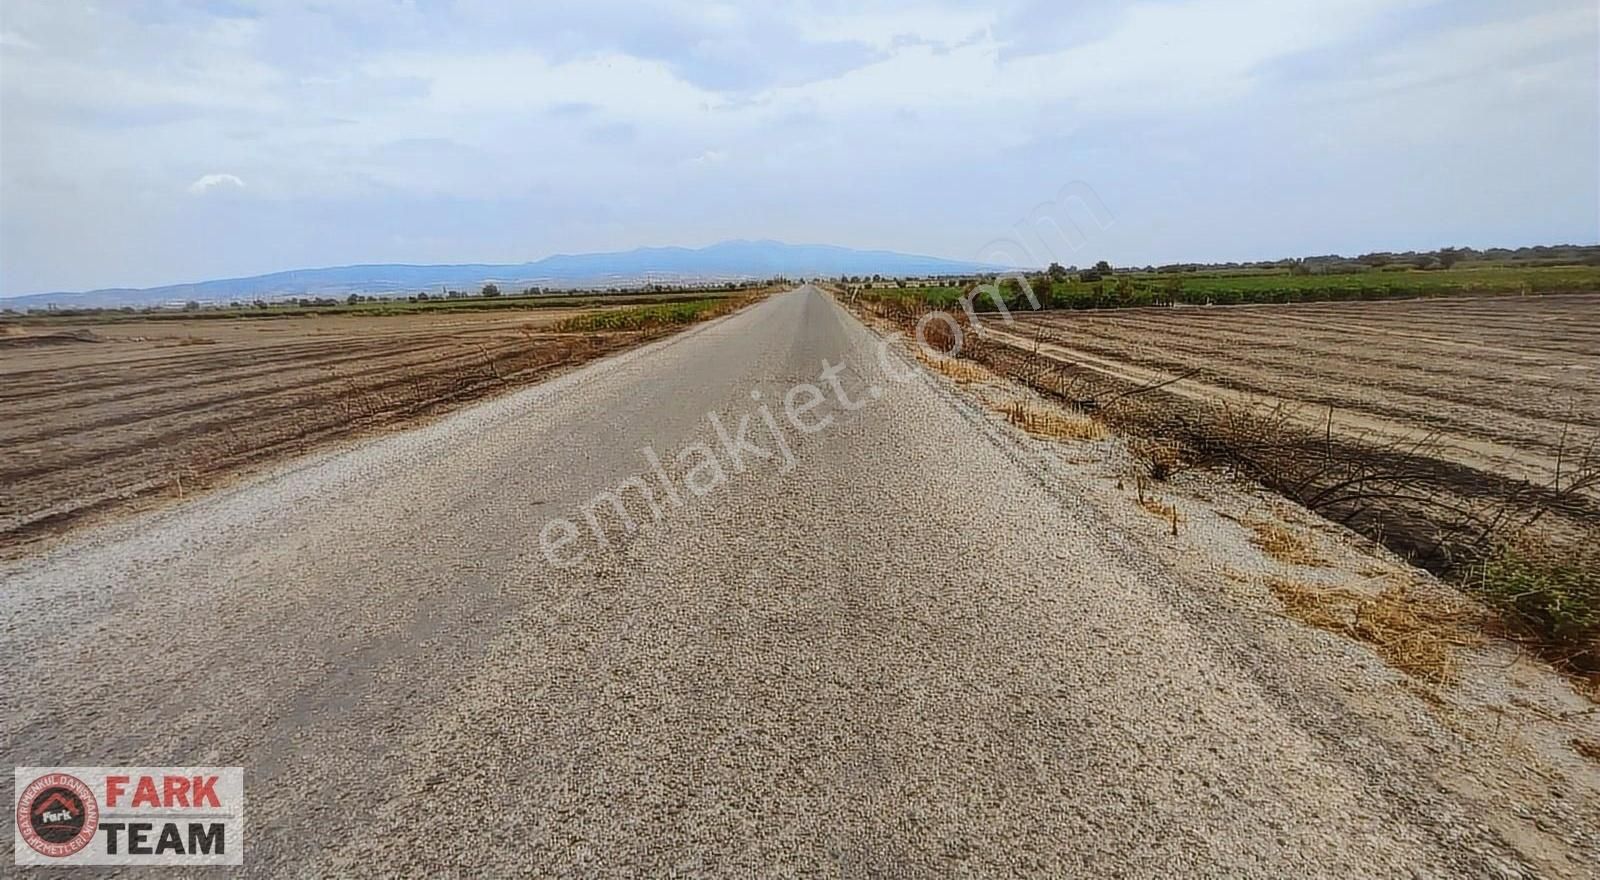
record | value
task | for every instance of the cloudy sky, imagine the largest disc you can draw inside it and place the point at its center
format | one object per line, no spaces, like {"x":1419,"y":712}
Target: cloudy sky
{"x":144,"y":143}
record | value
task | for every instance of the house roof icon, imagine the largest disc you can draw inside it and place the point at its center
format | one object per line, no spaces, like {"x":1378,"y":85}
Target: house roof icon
{"x":58,"y":799}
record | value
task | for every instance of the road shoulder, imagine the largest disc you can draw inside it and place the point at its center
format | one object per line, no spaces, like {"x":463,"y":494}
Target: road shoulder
{"x":1443,"y":718}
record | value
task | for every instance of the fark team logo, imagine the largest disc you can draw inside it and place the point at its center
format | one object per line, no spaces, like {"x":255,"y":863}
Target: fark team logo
{"x":129,"y":816}
{"x":57,"y":815}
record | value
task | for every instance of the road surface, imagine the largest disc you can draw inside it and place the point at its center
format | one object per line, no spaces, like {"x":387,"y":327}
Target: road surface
{"x":909,"y":653}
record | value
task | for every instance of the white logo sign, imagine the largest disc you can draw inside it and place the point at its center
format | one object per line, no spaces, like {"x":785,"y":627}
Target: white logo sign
{"x":129,"y":816}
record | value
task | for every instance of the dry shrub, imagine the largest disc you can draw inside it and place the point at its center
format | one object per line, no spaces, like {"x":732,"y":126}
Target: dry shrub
{"x":1042,"y":420}
{"x":1588,"y":748}
{"x":1414,"y":633}
{"x":937,"y":333}
{"x":1163,"y":459}
{"x":1284,"y":545}
{"x":1552,"y":590}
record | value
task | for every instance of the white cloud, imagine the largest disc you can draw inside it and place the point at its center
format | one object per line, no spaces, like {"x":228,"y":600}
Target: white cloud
{"x":207,"y":181}
{"x":11,"y":40}
{"x":526,"y":113}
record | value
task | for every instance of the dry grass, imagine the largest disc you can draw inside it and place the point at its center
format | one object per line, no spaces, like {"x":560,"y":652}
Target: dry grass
{"x":1156,"y":506}
{"x":1043,"y":420}
{"x":1284,"y":545}
{"x":960,"y":371}
{"x":1589,"y":686}
{"x":1588,"y":748}
{"x":190,"y":340}
{"x":1414,"y":633}
{"x":1161,"y":508}
{"x":1309,"y":605}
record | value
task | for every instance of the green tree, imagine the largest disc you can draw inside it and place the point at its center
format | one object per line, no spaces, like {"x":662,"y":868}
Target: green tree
{"x":491,"y":290}
{"x":1172,"y":290}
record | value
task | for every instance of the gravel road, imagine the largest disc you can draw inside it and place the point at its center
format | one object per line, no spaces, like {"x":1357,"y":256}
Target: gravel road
{"x":906,"y":654}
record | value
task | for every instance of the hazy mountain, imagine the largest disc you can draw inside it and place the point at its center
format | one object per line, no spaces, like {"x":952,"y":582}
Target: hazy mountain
{"x":729,"y":260}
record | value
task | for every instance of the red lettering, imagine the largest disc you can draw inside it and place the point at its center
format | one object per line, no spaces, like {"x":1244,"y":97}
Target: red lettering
{"x":114,"y":788}
{"x":176,"y":790}
{"x":145,"y":795}
{"x":205,"y":790}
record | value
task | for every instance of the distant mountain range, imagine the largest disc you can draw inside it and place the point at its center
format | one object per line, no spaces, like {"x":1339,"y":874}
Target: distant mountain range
{"x":727,"y":261}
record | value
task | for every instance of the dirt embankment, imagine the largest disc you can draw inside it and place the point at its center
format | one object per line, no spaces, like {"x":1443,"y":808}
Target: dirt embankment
{"x":1464,"y":434}
{"x":1433,"y":423}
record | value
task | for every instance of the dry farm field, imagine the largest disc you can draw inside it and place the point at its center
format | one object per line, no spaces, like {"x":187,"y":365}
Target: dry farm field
{"x":1505,"y":384}
{"x":1438,"y":425}
{"x":106,"y":414}
{"x":1462,"y":432}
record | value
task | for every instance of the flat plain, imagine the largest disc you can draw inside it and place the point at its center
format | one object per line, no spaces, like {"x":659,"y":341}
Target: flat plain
{"x":105,"y":414}
{"x":1505,"y":384}
{"x":930,"y":647}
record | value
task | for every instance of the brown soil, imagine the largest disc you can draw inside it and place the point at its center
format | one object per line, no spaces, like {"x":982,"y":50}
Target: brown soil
{"x":1439,"y":427}
{"x":1507,"y":385}
{"x":107,"y":417}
